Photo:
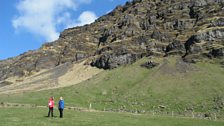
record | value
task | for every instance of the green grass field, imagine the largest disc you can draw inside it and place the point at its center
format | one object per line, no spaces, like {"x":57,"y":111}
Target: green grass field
{"x":37,"y":117}
{"x":177,"y":87}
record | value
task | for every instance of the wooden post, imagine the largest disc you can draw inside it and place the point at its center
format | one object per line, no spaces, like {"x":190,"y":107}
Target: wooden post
{"x":172,"y":114}
{"x":215,"y":117}
{"x":90,"y":106}
{"x":192,"y":114}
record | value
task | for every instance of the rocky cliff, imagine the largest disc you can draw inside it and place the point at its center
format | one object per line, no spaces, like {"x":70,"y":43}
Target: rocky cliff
{"x":193,"y":29}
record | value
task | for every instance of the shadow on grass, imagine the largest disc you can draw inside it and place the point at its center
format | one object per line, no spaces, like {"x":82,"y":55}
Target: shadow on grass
{"x":50,"y":116}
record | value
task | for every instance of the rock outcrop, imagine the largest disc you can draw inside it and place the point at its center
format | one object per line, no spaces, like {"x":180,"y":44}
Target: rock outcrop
{"x":149,"y":64}
{"x":190,"y":28}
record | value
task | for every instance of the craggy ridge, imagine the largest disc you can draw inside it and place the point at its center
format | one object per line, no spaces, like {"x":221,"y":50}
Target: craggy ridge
{"x":193,"y":29}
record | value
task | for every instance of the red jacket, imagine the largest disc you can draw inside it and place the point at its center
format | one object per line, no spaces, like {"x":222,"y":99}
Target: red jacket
{"x":51,"y":103}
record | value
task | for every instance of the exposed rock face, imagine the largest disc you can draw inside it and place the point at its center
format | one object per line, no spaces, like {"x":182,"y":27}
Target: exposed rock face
{"x":110,"y":61}
{"x":175,"y":48}
{"x":217,"y":52}
{"x":150,"y":64}
{"x":139,"y":28}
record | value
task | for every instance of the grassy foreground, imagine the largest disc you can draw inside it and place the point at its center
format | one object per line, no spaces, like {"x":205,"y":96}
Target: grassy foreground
{"x":36,"y":117}
{"x":172,"y":87}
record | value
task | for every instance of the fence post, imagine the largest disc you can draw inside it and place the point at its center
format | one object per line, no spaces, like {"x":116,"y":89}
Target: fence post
{"x":90,"y":106}
{"x":172,"y":114}
{"x":192,"y":114}
{"x":215,"y":117}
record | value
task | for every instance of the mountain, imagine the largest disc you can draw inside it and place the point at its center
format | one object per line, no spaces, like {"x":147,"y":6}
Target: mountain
{"x":192,"y":29}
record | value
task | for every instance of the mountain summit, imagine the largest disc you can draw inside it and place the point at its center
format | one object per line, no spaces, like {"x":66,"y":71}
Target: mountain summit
{"x":193,"y":29}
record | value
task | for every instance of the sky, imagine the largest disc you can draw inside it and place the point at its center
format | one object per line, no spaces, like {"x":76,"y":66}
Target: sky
{"x":27,"y":24}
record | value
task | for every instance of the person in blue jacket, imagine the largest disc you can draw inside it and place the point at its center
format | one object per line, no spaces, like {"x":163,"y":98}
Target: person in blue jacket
{"x":61,"y":106}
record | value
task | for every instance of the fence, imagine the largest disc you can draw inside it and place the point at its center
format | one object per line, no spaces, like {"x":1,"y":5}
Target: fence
{"x":199,"y":115}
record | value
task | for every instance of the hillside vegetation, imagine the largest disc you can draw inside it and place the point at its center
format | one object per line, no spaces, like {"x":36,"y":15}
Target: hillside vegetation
{"x":172,"y":87}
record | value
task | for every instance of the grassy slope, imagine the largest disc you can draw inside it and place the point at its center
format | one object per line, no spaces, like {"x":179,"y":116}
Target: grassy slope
{"x":36,"y":117}
{"x":134,"y":88}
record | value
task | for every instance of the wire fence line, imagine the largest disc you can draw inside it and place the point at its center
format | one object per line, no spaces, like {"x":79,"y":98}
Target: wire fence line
{"x":197,"y":115}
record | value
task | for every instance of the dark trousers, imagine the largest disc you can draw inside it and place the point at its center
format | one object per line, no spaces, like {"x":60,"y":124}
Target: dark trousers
{"x":50,"y":112}
{"x":61,"y":112}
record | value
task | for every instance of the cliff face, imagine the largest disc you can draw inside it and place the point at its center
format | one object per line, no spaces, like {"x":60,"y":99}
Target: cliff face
{"x":193,"y":29}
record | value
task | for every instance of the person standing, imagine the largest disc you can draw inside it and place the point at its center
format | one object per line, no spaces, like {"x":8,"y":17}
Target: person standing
{"x":51,"y":106}
{"x":61,"y":106}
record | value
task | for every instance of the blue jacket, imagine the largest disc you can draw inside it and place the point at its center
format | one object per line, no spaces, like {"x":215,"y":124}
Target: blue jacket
{"x":61,"y":104}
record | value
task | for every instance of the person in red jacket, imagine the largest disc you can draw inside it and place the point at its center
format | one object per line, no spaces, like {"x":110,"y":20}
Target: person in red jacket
{"x":51,"y":106}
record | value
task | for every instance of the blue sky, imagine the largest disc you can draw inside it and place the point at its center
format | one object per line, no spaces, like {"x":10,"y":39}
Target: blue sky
{"x":27,"y":24}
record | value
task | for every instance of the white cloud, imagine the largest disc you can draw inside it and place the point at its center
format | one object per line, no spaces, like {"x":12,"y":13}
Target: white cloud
{"x":44,"y":17}
{"x":85,"y":17}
